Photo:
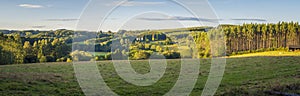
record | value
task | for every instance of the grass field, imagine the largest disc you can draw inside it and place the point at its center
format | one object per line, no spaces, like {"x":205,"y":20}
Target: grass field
{"x":270,"y":53}
{"x":100,"y":53}
{"x":254,"y":75}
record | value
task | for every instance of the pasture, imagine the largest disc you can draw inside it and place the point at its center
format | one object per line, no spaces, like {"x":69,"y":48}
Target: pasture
{"x":244,"y":75}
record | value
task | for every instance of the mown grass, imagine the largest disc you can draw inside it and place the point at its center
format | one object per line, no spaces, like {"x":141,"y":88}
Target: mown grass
{"x":243,"y":76}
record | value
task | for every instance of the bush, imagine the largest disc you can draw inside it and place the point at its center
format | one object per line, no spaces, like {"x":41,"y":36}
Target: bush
{"x":171,"y":54}
{"x":61,"y":59}
{"x":147,"y":46}
{"x":140,"y":54}
{"x":159,"y":49}
{"x":81,"y":56}
{"x":107,"y":56}
{"x":153,"y":48}
{"x":43,"y":59}
{"x":50,"y":58}
{"x":233,"y":53}
{"x":69,"y":60}
{"x":98,"y":58}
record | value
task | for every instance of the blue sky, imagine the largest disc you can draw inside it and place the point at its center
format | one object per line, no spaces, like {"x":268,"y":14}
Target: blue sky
{"x":158,"y":14}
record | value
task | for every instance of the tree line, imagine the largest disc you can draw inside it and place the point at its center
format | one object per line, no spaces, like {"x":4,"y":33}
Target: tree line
{"x":261,"y":37}
{"x":17,"y":47}
{"x":250,"y":38}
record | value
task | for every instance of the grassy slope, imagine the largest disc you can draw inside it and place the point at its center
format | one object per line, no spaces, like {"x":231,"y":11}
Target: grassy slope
{"x":243,"y":76}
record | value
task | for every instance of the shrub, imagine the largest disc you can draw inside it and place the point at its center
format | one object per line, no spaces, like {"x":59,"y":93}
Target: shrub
{"x":97,"y":58}
{"x":138,"y":55}
{"x":81,"y":56}
{"x":147,"y":46}
{"x":50,"y":58}
{"x":153,"y":48}
{"x":233,"y":53}
{"x":43,"y":59}
{"x":171,"y":54}
{"x":159,"y":49}
{"x":69,"y":60}
{"x":107,"y":56}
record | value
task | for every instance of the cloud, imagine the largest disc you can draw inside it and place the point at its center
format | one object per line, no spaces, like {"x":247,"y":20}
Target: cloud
{"x":260,"y":20}
{"x":180,"y":18}
{"x":134,"y":3}
{"x":30,"y":6}
{"x":38,"y":26}
{"x":62,"y":20}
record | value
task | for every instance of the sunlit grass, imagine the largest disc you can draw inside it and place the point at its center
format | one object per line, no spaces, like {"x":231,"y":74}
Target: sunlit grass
{"x":270,"y":53}
{"x":100,"y":53}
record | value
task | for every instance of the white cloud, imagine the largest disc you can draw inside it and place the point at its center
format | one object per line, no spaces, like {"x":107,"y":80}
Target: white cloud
{"x":30,"y":6}
{"x":135,"y":3}
{"x":66,"y":19}
{"x":182,"y":18}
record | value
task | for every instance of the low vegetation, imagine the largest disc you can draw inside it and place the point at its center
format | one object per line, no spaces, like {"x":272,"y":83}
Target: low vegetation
{"x":263,"y":75}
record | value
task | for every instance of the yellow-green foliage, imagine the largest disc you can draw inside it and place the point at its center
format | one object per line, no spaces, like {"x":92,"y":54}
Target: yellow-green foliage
{"x":140,"y":54}
{"x":69,"y":60}
{"x":11,"y":50}
{"x":81,"y":56}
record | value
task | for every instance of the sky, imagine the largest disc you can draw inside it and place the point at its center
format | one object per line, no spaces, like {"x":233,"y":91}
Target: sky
{"x":95,"y":15}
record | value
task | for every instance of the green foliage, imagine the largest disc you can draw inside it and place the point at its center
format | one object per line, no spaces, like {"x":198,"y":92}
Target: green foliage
{"x":61,"y":59}
{"x":261,"y":37}
{"x":171,"y":54}
{"x":31,"y":46}
{"x":43,"y":59}
{"x":107,"y":56}
{"x":151,"y":36}
{"x":159,"y":49}
{"x":203,"y":44}
{"x":11,"y":50}
{"x":69,"y":60}
{"x":81,"y":56}
{"x":1,"y":34}
{"x":139,"y":54}
{"x":153,"y":47}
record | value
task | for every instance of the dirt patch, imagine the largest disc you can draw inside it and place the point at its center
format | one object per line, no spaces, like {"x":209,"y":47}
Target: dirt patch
{"x":288,"y":87}
{"x":288,"y":90}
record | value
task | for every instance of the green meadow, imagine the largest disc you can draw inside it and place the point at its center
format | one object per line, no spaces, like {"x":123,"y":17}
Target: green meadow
{"x":250,"y":74}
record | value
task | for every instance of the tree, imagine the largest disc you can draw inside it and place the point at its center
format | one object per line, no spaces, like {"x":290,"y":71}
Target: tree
{"x":1,"y":55}
{"x":29,"y":54}
{"x":140,"y":54}
{"x":1,"y":34}
{"x":81,"y":56}
{"x":159,"y":49}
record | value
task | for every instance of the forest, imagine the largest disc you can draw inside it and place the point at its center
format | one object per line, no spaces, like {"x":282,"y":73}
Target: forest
{"x":33,"y":46}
